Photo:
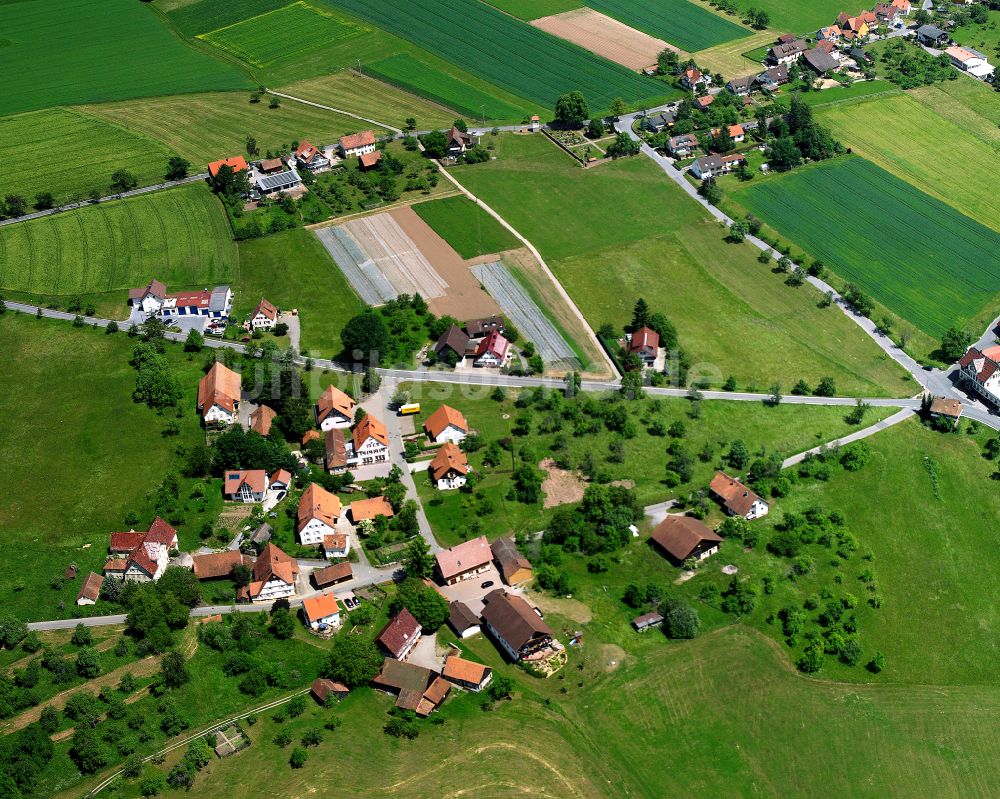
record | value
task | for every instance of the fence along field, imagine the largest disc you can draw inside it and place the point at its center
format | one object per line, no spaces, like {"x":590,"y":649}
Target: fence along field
{"x":410,"y":73}
{"x":278,"y":34}
{"x":89,"y":151}
{"x":505,"y":51}
{"x":79,"y":51}
{"x":916,"y":255}
{"x":179,"y":236}
{"x":679,"y":22}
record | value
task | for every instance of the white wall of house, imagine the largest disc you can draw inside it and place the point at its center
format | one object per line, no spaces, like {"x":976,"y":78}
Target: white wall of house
{"x":261,"y":322}
{"x":335,"y":421}
{"x":450,"y":481}
{"x":219,"y":415}
{"x":451,"y":433}
{"x":758,"y":509}
{"x":514,"y":654}
{"x":372,"y":451}
{"x":313,"y":532}
{"x":274,"y":589}
{"x":333,"y":620}
{"x":332,"y":554}
{"x":468,"y":575}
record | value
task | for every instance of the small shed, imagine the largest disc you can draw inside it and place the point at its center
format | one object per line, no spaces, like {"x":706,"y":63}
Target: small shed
{"x":647,"y":620}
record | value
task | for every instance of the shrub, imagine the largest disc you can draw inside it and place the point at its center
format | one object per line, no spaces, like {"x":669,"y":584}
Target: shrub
{"x":680,"y":620}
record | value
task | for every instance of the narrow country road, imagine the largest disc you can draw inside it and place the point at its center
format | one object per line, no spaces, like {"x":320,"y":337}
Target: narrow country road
{"x":896,"y":418}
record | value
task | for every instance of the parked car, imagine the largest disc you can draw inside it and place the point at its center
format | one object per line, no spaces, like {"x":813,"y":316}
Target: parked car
{"x":487,"y":584}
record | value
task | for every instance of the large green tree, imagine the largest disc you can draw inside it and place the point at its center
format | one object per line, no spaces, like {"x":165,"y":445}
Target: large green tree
{"x":571,"y":110}
{"x":425,"y":603}
{"x":354,"y":660}
{"x":365,"y":337}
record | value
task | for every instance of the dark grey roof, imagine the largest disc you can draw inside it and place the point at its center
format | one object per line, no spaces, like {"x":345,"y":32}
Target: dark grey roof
{"x":778,"y":74}
{"x":820,"y":61}
{"x":460,"y":617}
{"x":262,"y":534}
{"x":745,"y":82}
{"x":217,"y":302}
{"x":931,"y":32}
{"x":453,"y":338}
{"x":281,"y":180}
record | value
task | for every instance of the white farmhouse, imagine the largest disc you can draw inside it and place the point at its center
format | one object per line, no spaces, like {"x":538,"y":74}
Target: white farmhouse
{"x":317,"y":515}
{"x":274,"y":575}
{"x":446,"y":424}
{"x":219,"y":396}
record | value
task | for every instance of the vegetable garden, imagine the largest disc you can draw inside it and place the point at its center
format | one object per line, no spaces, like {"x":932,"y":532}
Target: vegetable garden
{"x":505,"y":51}
{"x":916,"y":255}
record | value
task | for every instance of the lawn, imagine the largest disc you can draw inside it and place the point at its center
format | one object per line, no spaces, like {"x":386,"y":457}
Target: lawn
{"x":371,"y":98}
{"x":179,"y":236}
{"x":799,"y":17}
{"x":860,"y":90}
{"x":953,"y":253}
{"x":509,"y":53}
{"x":90,"y":150}
{"x":455,"y":515}
{"x":922,"y":148}
{"x":413,"y":75}
{"x":283,"y":34}
{"x":89,"y":53}
{"x":730,"y":58}
{"x":466,"y":226}
{"x":684,"y":23}
{"x":985,"y":37}
{"x":70,"y":482}
{"x":293,"y":270}
{"x":624,"y":230}
{"x":534,"y":9}
{"x":206,"y":127}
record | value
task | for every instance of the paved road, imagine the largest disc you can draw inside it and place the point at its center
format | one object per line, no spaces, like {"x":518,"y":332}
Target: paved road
{"x":896,"y":418}
{"x":83,"y":203}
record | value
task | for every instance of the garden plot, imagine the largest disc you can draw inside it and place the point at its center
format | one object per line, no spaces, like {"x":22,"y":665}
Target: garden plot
{"x":605,"y":36}
{"x":360,"y":270}
{"x":524,"y":313}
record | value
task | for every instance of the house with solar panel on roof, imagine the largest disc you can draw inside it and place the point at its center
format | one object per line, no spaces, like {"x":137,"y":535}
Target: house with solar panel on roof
{"x":272,"y":176}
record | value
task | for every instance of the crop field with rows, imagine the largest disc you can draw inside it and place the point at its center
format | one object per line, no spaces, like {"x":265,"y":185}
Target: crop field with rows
{"x":916,"y":255}
{"x":679,"y":22}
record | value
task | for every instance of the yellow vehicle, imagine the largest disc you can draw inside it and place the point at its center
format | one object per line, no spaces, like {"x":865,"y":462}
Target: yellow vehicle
{"x":409,"y":409}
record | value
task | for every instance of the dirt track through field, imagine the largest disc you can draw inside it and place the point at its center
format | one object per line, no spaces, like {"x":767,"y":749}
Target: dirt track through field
{"x":518,"y":306}
{"x":606,"y":37}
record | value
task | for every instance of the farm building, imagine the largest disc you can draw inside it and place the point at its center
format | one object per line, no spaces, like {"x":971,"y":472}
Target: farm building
{"x":449,"y":468}
{"x":270,"y":177}
{"x":820,"y":61}
{"x":416,"y":688}
{"x":322,"y":689}
{"x":517,"y":627}
{"x":247,"y":485}
{"x":90,"y":590}
{"x":334,"y":408}
{"x":971,"y":61}
{"x":477,"y":328}
{"x":274,"y":575}
{"x":218,"y":565}
{"x":365,"y":509}
{"x":261,"y":419}
{"x":317,"y":515}
{"x":237,"y":163}
{"x":446,"y":424}
{"x":681,"y":537}
{"x":466,"y":673}
{"x":452,"y":345}
{"x":357,"y":144}
{"x":513,"y":566}
{"x":400,"y":635}
{"x":263,"y":317}
{"x":154,"y":299}
{"x":464,"y":561}
{"x":647,"y":620}
{"x":141,"y":557}
{"x":736,"y":499}
{"x":332,"y":575}
{"x":462,"y":620}
{"x":979,"y":372}
{"x":494,"y":351}
{"x":335,"y":459}
{"x":310,"y":157}
{"x":322,"y":610}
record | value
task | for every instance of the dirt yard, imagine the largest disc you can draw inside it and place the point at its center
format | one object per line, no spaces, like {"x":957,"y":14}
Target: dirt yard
{"x":561,"y":486}
{"x":463,"y":298}
{"x":606,"y":37}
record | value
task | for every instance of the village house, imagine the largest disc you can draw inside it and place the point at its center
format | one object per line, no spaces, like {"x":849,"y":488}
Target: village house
{"x":263,"y":317}
{"x":852,"y":28}
{"x":90,"y":591}
{"x":322,"y":689}
{"x":655,"y":123}
{"x":904,"y":6}
{"x":932,"y":36}
{"x":477,"y":328}
{"x":452,"y":345}
{"x":317,"y":515}
{"x":647,"y":621}
{"x":367,"y":509}
{"x":513,"y":566}
{"x":310,"y":157}
{"x":446,"y":424}
{"x":274,"y":575}
{"x":820,"y":61}
{"x":736,"y":499}
{"x":218,"y":565}
{"x":149,"y":298}
{"x":494,"y":351}
{"x":886,"y":13}
{"x":464,"y":561}
{"x":281,"y":480}
{"x":710,"y":166}
{"x":459,"y":142}
{"x":141,"y":557}
{"x":831,"y":33}
{"x":321,"y":611}
{"x":371,"y":442}
{"x":770,"y":79}
{"x":787,"y":52}
{"x":237,"y":163}
{"x":971,"y":61}
{"x":416,"y":688}
{"x":219,"y":396}
{"x":336,"y":546}
{"x":335,"y":457}
{"x":333,"y":574}
{"x":704,"y":102}
{"x":692,"y":78}
{"x":516,"y":626}
{"x":400,"y":635}
{"x":449,"y":468}
{"x":467,"y":674}
{"x":945,"y":408}
{"x":153,"y":299}
{"x":357,"y":144}
{"x":261,"y":419}
{"x":741,"y":86}
{"x":681,"y":537}
{"x":334,"y":408}
{"x":979,"y":372}
{"x":683,"y":145}
{"x":462,"y":620}
{"x":247,"y":485}
{"x":645,"y":344}
{"x":736,"y":133}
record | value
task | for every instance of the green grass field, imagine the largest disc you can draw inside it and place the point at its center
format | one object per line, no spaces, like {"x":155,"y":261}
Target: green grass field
{"x":179,"y":236}
{"x":71,"y":482}
{"x":88,"y":53}
{"x":534,"y":9}
{"x":205,"y":127}
{"x":371,"y":98}
{"x":293,"y":270}
{"x":983,"y":37}
{"x":623,"y":231}
{"x":509,"y":53}
{"x":466,"y":227}
{"x":923,"y":147}
{"x":282,"y":34}
{"x":413,"y":75}
{"x":837,"y":95}
{"x":203,"y":16}
{"x":681,"y":22}
{"x":800,"y":17}
{"x":953,"y":253}
{"x":968,"y":103}
{"x":90,"y":150}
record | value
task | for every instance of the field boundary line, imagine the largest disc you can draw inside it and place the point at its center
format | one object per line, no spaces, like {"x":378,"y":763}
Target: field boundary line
{"x":339,"y":220}
{"x":545,"y":267}
{"x":342,"y":112}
